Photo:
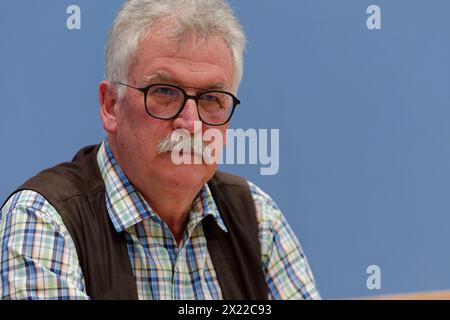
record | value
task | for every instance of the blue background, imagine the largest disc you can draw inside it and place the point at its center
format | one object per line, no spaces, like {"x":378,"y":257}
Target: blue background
{"x":363,"y":116}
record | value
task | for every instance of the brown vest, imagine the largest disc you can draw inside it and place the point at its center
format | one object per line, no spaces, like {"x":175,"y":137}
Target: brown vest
{"x":77,"y":191}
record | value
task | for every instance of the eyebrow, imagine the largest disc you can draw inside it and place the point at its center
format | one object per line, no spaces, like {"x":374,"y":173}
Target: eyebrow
{"x":160,"y":76}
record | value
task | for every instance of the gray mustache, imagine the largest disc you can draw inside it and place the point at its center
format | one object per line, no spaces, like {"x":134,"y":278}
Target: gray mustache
{"x":195,"y":145}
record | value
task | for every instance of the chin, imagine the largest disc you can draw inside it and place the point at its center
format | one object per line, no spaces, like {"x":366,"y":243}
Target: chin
{"x":189,"y":175}
{"x":186,"y":174}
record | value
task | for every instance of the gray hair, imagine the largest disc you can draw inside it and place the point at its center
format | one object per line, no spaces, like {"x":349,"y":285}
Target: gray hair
{"x":201,"y":18}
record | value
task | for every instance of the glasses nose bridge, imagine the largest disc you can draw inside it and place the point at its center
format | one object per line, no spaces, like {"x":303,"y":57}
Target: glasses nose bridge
{"x":191,"y":97}
{"x":188,"y":97}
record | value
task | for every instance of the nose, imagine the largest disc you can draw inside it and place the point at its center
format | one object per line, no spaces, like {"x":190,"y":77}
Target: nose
{"x":186,"y":119}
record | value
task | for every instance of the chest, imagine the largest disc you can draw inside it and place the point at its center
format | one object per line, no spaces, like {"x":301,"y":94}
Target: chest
{"x":166,"y":270}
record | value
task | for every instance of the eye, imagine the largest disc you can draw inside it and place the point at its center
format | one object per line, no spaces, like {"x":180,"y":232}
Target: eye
{"x":209,"y":97}
{"x":165,"y":91}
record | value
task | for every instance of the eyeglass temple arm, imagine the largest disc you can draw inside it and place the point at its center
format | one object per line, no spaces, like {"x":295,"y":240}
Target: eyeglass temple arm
{"x":132,"y":87}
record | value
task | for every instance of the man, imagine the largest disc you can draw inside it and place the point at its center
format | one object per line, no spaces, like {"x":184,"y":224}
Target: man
{"x":122,"y":220}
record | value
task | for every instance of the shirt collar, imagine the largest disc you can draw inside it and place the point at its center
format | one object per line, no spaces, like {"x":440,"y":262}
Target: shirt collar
{"x":127,"y":207}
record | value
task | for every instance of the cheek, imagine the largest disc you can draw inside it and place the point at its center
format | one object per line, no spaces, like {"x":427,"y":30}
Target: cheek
{"x":223,"y":130}
{"x":142,"y":132}
{"x":132,"y":116}
{"x":129,"y":125}
{"x":215,"y":135}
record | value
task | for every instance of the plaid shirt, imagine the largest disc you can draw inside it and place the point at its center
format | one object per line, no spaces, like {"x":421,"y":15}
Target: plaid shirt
{"x":39,"y":261}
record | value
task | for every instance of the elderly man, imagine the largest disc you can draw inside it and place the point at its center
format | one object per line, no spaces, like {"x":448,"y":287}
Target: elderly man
{"x":122,"y":220}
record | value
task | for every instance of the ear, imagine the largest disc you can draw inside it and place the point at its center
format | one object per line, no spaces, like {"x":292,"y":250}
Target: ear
{"x":108,"y":106}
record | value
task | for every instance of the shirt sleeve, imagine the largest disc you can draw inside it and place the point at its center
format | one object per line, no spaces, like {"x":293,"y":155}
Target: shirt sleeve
{"x":38,"y":258}
{"x":287,"y":271}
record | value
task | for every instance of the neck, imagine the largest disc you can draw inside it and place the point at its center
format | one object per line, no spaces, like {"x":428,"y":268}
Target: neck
{"x":172,"y":206}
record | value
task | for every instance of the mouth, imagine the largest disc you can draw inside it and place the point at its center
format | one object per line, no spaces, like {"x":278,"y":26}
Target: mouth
{"x":192,"y":153}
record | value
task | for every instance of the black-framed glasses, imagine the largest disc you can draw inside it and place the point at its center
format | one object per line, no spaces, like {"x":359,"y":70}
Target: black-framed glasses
{"x":166,"y":101}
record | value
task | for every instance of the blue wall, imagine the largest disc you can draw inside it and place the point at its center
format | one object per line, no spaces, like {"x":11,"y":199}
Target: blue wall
{"x":363,"y":116}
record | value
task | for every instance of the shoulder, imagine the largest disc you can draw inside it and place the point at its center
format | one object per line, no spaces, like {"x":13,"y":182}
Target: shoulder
{"x":274,"y":230}
{"x":266,"y":208}
{"x":287,"y":269}
{"x":37,"y":252}
{"x":28,"y":206}
{"x":69,"y":179}
{"x":269,"y":219}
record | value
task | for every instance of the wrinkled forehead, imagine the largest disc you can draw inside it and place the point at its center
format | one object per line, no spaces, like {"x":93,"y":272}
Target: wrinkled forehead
{"x":169,"y":38}
{"x":182,"y":36}
{"x":197,"y":53}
